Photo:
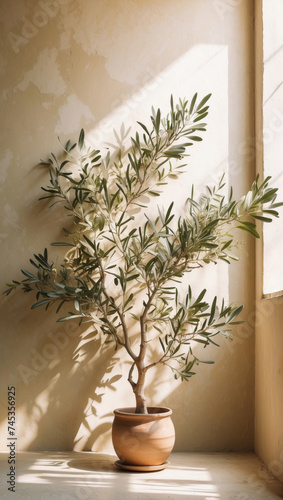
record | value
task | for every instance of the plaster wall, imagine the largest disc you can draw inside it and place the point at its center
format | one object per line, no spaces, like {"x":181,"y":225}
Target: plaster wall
{"x":98,"y":65}
{"x":269,"y":310}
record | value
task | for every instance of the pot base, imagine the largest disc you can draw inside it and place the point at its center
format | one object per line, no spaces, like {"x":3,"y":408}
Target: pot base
{"x":141,"y":468}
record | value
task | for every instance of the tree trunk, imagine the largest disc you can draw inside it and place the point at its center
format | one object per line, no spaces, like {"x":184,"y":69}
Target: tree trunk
{"x":141,"y":406}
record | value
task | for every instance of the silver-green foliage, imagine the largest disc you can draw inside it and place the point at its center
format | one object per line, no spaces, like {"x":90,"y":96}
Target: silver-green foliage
{"x":119,"y":274}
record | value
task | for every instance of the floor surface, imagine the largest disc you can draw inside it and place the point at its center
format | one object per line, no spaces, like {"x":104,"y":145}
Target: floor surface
{"x":94,"y":476}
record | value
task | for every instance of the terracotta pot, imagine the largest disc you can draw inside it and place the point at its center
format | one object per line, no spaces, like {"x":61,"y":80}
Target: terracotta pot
{"x":143,"y":440}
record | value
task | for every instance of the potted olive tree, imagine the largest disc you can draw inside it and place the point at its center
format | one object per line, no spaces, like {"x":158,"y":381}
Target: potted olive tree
{"x":121,"y":265}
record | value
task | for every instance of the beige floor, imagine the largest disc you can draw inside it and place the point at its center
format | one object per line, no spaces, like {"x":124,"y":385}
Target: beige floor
{"x":93,"y":476}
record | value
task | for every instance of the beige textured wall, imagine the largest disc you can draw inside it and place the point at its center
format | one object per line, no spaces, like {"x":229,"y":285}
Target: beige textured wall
{"x":269,"y":311}
{"x":67,"y":64}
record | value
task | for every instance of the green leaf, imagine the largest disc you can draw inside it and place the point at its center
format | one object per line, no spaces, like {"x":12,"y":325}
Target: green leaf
{"x":275,"y":205}
{"x":62,"y":244}
{"x":129,"y":299}
{"x":206,"y":362}
{"x":162,"y":345}
{"x":90,"y":242}
{"x":60,"y":305}
{"x":249,"y":230}
{"x":271,"y":212}
{"x":144,"y":127}
{"x":200,"y":297}
{"x":77,"y":305}
{"x":226,"y":245}
{"x":193,"y":101}
{"x":27,"y":274}
{"x":203,"y":101}
{"x":133,"y":277}
{"x":81,"y":139}
{"x":200,"y":117}
{"x":40,"y":303}
{"x":195,"y":138}
{"x":200,"y":341}
{"x":209,"y":245}
{"x":157,"y":121}
{"x":212,"y":313}
{"x":234,"y":313}
{"x":263,"y":219}
{"x":67,"y":318}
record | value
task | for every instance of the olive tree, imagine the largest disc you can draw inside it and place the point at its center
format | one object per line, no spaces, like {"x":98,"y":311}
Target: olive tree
{"x":120,"y":269}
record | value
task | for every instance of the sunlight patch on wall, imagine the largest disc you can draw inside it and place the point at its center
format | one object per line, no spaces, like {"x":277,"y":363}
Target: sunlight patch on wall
{"x":45,"y":74}
{"x":202,"y":169}
{"x":272,"y":143}
{"x":72,"y":115}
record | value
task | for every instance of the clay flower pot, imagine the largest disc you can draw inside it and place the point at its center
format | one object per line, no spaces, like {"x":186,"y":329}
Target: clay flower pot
{"x":143,"y":442}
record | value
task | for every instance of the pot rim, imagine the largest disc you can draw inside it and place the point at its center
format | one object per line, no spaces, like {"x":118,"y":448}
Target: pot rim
{"x":153,"y":411}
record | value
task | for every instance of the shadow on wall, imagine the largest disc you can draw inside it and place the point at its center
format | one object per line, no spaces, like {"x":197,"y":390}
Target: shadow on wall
{"x":123,"y":58}
{"x":61,"y":374}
